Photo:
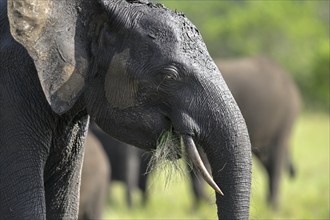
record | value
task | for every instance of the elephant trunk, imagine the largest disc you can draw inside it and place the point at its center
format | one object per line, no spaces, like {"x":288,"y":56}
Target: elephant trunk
{"x":223,"y":136}
{"x":230,"y":162}
{"x":228,"y":150}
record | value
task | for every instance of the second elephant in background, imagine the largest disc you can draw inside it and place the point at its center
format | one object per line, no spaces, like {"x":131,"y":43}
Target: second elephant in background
{"x":270,"y":103}
{"x":95,"y":180}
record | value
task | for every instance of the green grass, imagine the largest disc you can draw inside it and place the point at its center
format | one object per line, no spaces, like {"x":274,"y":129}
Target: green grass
{"x":305,"y":197}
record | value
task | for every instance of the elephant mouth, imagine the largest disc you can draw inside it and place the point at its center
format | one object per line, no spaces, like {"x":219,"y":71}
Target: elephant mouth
{"x":171,"y":147}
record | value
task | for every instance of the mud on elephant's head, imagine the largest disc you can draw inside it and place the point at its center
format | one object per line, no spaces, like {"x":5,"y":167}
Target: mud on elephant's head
{"x":140,"y":70}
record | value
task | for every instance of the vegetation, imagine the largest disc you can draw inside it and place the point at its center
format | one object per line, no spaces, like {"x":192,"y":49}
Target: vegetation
{"x":305,"y":197}
{"x":293,"y":33}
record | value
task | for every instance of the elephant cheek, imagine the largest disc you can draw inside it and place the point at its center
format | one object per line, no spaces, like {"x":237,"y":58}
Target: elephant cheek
{"x":120,"y":88}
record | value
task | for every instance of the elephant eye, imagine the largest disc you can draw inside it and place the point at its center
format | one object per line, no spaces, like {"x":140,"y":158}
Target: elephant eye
{"x":170,"y":72}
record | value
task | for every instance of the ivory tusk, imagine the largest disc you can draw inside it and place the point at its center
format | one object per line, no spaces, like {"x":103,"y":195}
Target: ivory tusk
{"x":198,"y":163}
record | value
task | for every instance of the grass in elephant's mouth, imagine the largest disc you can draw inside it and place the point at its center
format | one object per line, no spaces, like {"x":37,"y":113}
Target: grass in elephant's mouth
{"x":165,"y":157}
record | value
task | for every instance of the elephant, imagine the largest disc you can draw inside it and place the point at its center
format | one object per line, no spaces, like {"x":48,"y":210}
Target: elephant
{"x":130,"y":164}
{"x":141,"y":71}
{"x":270,"y":103}
{"x":95,"y":180}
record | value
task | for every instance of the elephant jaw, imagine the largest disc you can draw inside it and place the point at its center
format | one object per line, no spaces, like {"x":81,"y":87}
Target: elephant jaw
{"x":195,"y":158}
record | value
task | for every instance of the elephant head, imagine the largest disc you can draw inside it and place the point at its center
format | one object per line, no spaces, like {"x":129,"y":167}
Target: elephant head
{"x":140,"y":70}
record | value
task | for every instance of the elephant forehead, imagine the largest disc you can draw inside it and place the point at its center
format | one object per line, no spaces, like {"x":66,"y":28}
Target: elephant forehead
{"x":120,"y":88}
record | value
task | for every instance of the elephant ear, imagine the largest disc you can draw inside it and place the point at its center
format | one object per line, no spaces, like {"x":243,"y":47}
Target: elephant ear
{"x":56,"y":34}
{"x":48,"y":29}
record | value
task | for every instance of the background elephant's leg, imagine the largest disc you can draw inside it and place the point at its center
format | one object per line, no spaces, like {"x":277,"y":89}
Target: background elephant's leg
{"x":274,"y":169}
{"x":286,"y":145}
{"x":132,"y":174}
{"x":129,"y":195}
{"x":143,"y":188}
{"x":278,"y":160}
{"x":144,"y":175}
{"x":63,"y":168}
{"x":95,"y":176}
{"x":197,"y":188}
{"x":94,"y":206}
{"x":289,"y":164}
{"x":273,"y":180}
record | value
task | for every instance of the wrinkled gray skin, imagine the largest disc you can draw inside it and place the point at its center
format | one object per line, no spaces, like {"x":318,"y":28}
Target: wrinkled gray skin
{"x":137,"y":69}
{"x":270,"y":103}
{"x":129,"y":164}
{"x":95,"y":180}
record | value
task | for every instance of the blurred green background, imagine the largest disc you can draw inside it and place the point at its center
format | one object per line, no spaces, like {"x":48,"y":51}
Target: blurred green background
{"x":293,"y":33}
{"x":296,"y":35}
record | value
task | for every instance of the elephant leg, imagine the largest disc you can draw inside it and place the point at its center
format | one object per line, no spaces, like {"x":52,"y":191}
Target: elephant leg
{"x":143,"y":176}
{"x":197,"y":188}
{"x":274,"y":167}
{"x":289,"y":164}
{"x":94,"y":208}
{"x":22,"y":159}
{"x":292,"y":169}
{"x":273,"y":181}
{"x":129,"y":196}
{"x":21,"y":188}
{"x":198,"y":184}
{"x":132,"y":174}
{"x":280,"y":158}
{"x":63,"y":168}
{"x":142,"y":184}
{"x":145,"y":195}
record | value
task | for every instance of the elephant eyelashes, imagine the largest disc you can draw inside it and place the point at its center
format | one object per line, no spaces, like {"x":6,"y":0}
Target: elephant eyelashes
{"x":170,"y":73}
{"x":152,"y":36}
